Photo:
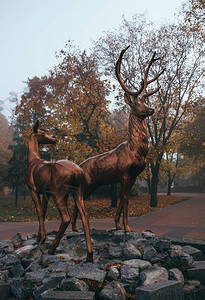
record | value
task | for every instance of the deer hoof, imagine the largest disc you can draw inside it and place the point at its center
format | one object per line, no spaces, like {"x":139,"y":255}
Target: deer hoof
{"x":74,"y":228}
{"x":41,"y":240}
{"x":118,"y":226}
{"x":127,"y":228}
{"x":89,"y":257}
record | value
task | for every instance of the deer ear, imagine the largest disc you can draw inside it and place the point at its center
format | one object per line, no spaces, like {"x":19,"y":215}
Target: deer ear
{"x":128,"y":99}
{"x":36,"y":126}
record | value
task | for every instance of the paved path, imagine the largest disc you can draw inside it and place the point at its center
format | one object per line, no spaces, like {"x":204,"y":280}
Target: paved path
{"x":185,"y":219}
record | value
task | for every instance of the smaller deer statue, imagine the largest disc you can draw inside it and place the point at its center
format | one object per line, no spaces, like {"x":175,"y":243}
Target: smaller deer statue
{"x":53,"y":179}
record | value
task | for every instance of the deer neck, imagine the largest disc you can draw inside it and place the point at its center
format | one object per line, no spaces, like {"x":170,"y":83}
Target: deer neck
{"x":138,"y":134}
{"x":33,"y":150}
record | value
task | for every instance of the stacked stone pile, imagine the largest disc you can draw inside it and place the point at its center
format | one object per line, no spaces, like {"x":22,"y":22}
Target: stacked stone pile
{"x":126,"y":266}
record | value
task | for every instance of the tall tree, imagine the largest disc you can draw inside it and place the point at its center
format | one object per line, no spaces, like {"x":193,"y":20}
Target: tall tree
{"x":71,"y":103}
{"x":183,"y":60}
{"x":5,"y":153}
{"x":17,"y":163}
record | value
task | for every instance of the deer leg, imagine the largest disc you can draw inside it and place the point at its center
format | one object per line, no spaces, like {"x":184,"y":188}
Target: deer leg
{"x":84,"y":217}
{"x":125,"y":188}
{"x":60,"y":203}
{"x":45,"y":204}
{"x":75,"y":215}
{"x":118,"y":214}
{"x":41,"y":231}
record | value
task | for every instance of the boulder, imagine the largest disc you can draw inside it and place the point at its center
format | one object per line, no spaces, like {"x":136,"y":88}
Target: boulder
{"x":165,"y":289}
{"x":68,"y":295}
{"x":197,"y":272}
{"x":176,"y":274}
{"x":113,"y":291}
{"x":4,"y":290}
{"x":130,"y":269}
{"x":114,"y":251}
{"x":152,"y":275}
{"x":73,"y":284}
{"x":130,"y":251}
{"x":149,"y":253}
{"x":195,"y":253}
{"x":148,"y":234}
{"x":86,"y":270}
{"x":113,"y":273}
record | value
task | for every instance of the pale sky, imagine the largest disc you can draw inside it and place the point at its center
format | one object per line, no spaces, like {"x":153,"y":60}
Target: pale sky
{"x":31,"y":31}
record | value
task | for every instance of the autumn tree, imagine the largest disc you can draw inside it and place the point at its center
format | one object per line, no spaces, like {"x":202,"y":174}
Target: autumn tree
{"x":5,"y":153}
{"x":192,"y":142}
{"x":71,"y":103}
{"x":195,"y":17}
{"x":18,"y":161}
{"x":183,"y":60}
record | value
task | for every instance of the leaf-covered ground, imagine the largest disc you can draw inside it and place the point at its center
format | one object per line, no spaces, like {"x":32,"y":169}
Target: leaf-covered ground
{"x":96,"y":207}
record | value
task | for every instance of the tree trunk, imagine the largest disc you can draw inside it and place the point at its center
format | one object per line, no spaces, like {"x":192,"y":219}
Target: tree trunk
{"x":16,"y":196}
{"x":113,"y":194}
{"x":169,"y":185}
{"x":24,"y":192}
{"x":154,"y":184}
{"x":148,"y":184}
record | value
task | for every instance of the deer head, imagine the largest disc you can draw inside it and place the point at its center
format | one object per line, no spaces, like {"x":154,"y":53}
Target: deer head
{"x":139,"y":108}
{"x":41,"y":136}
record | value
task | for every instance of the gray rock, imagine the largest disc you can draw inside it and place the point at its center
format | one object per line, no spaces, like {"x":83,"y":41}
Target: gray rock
{"x":195,"y":253}
{"x":21,"y":288}
{"x":137,"y":263}
{"x":148,"y":234}
{"x":47,"y":284}
{"x":22,"y":252}
{"x":10,"y":260}
{"x":88,"y":270}
{"x":197,"y":272}
{"x":150,"y":252}
{"x":161,"y":244}
{"x":129,"y":273}
{"x":113,"y":291}
{"x":33,"y":267}
{"x":4,"y":290}
{"x":35,"y":277}
{"x":113,"y":273}
{"x":195,"y":283}
{"x":16,"y":238}
{"x":140,"y":243}
{"x":194,"y":291}
{"x":130,"y":269}
{"x":30,"y":242}
{"x":166,"y":289}
{"x":175,"y":250}
{"x":4,"y":275}
{"x":49,"y":259}
{"x":176,"y":274}
{"x":58,"y":266}
{"x":131,"y":252}
{"x":73,"y":284}
{"x":34,"y":255}
{"x":68,"y":295}
{"x":152,"y":275}
{"x":17,"y":270}
{"x":114,"y":251}
{"x":59,"y":276}
{"x":183,"y":260}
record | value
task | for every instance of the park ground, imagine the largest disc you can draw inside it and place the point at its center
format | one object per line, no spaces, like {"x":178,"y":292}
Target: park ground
{"x":181,"y":215}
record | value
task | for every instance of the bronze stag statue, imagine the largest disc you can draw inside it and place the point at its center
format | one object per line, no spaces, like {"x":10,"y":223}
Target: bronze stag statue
{"x":124,"y":163}
{"x":53,"y":179}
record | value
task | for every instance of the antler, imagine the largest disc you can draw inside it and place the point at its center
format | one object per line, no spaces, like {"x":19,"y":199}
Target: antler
{"x":122,"y":83}
{"x":146,"y":82}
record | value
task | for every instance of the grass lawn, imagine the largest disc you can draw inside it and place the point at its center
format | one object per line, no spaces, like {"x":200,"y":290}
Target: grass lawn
{"x":96,"y":207}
